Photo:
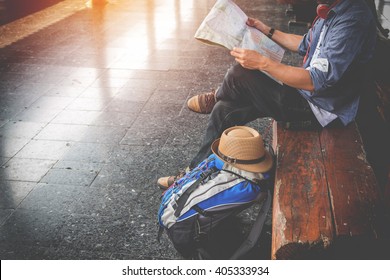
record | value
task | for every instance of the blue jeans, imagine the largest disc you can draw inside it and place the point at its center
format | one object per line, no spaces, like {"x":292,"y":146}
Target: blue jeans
{"x":246,"y":95}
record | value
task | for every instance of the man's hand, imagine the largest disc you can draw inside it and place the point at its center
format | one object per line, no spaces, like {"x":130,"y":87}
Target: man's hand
{"x":296,"y":77}
{"x":258,"y":24}
{"x":249,"y":59}
{"x":286,"y":40}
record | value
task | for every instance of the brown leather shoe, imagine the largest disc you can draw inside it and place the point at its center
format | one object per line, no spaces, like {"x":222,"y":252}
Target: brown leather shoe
{"x":202,"y":103}
{"x":165,"y":182}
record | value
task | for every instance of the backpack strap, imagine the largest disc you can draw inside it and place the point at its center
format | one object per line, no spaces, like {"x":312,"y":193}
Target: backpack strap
{"x":201,"y":211}
{"x":186,"y":194}
{"x":256,"y":230}
{"x":159,"y":234}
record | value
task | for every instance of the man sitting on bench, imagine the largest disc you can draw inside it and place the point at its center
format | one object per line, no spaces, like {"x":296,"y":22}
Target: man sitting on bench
{"x":337,"y":50}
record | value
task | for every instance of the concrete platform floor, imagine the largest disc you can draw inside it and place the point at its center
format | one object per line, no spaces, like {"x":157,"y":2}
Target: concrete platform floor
{"x":93,"y":111}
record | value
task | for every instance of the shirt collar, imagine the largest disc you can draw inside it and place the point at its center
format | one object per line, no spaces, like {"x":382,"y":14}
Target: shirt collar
{"x":340,"y":7}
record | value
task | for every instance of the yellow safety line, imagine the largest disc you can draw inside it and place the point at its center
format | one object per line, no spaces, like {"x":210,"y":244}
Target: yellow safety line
{"x":19,"y":29}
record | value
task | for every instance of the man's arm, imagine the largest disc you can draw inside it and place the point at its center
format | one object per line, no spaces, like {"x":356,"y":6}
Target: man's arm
{"x":296,"y":77}
{"x":286,"y":40}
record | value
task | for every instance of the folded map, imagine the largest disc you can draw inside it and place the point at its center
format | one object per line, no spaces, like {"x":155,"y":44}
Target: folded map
{"x":225,"y":26}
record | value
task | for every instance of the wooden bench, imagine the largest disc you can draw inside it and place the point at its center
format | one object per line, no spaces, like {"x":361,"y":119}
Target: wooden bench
{"x":383,"y":92}
{"x":327,"y":204}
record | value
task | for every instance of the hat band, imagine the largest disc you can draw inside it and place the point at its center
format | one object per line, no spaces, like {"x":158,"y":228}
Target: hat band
{"x":240,"y":161}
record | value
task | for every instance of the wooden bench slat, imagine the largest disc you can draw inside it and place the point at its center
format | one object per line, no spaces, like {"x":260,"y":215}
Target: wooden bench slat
{"x":301,"y":215}
{"x":326,"y":200}
{"x":351,"y":181}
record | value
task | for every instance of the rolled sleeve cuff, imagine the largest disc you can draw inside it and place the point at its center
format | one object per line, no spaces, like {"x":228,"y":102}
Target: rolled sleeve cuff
{"x":318,"y":78}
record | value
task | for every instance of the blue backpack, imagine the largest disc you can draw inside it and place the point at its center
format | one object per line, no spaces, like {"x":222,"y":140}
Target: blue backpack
{"x":194,"y":207}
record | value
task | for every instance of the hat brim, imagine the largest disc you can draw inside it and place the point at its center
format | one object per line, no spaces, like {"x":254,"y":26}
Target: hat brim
{"x":260,"y":167}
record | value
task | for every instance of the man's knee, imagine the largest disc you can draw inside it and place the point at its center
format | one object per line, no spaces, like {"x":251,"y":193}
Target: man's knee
{"x":227,"y":113}
{"x":242,"y":77}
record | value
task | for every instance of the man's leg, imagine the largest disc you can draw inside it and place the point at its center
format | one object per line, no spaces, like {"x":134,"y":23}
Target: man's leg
{"x":269,"y":97}
{"x":225,"y":114}
{"x":246,"y":95}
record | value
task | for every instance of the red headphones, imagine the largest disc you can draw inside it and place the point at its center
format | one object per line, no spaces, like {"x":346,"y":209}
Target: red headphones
{"x":324,"y":9}
{"x":322,"y":12}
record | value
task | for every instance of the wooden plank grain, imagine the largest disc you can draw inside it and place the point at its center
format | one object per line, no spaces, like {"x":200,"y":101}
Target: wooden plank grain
{"x":302,"y":219}
{"x":351,"y":181}
{"x":383,"y":93}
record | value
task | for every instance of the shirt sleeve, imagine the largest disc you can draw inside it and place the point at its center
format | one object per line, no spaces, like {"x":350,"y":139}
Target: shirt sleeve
{"x":302,"y":48}
{"x":340,"y":47}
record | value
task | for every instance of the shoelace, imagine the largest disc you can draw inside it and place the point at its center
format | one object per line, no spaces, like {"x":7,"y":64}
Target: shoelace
{"x":209,"y":100}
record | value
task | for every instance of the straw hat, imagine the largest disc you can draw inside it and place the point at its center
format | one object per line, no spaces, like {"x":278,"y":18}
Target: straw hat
{"x":243,"y":147}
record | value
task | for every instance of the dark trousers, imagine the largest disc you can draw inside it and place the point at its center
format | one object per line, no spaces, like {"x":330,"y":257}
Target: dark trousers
{"x":246,"y":95}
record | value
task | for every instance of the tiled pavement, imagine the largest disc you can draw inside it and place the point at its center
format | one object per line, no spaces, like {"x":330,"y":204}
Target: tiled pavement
{"x":92,"y":112}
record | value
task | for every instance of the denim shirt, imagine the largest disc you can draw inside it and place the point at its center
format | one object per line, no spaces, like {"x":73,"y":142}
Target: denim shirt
{"x":338,"y":65}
